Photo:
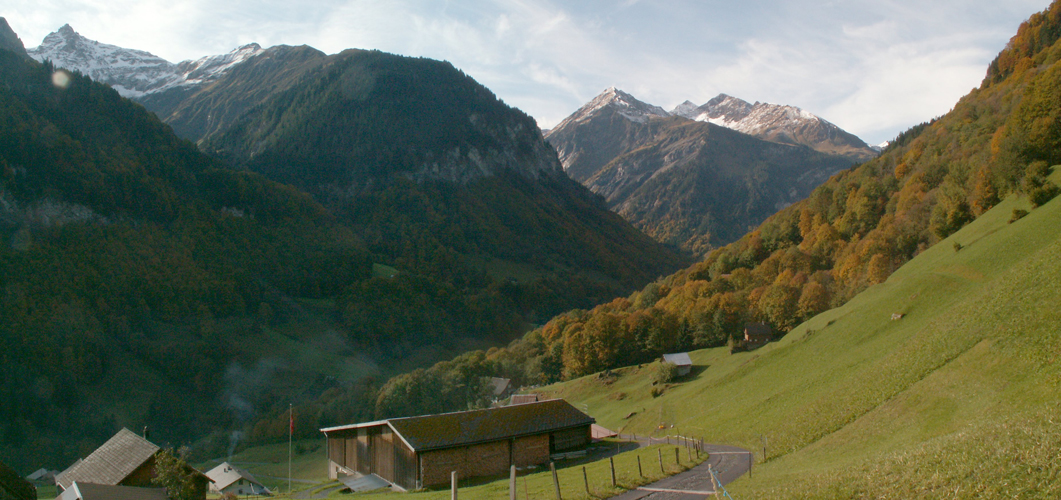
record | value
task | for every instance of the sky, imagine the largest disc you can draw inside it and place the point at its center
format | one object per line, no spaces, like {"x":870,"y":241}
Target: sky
{"x":872,"y":67}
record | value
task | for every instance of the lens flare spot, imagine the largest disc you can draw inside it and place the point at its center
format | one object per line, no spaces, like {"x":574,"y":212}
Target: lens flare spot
{"x":61,"y":79}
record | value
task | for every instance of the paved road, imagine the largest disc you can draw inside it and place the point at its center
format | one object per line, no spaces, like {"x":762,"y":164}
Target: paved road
{"x":729,"y":462}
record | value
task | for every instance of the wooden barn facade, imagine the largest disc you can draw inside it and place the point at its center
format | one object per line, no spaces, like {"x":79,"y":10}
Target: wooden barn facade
{"x":415,"y":452}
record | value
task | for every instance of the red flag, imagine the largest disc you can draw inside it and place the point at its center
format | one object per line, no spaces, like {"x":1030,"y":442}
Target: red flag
{"x":292,"y":430}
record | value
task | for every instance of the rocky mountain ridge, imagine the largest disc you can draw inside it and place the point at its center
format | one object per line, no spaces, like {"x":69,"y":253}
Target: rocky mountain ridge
{"x":134,"y":73}
{"x":9,"y":40}
{"x":777,"y":123}
{"x":772,"y":122}
{"x":694,"y":184}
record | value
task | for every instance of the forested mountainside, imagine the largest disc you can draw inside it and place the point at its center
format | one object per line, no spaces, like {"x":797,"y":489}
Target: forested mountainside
{"x":431,"y":166}
{"x":691,"y":184}
{"x":850,"y":233}
{"x":135,"y":270}
{"x":145,"y":282}
{"x":198,"y":112}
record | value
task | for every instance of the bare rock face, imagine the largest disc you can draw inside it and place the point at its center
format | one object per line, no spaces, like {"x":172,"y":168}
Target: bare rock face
{"x":699,"y":176}
{"x":9,"y":40}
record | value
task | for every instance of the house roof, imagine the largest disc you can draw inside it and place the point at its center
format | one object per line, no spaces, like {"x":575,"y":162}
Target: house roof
{"x":225,"y":474}
{"x":678,"y":358}
{"x":112,"y":462}
{"x":90,"y":491}
{"x":499,"y":385}
{"x":41,"y":475}
{"x":757,"y":329}
{"x":447,"y":430}
{"x":14,"y":487}
{"x":519,"y":399}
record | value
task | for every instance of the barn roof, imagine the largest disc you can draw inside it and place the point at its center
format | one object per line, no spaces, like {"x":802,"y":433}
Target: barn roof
{"x":678,"y":358}
{"x":447,"y":430}
{"x":225,"y":474}
{"x":112,"y":462}
{"x":90,"y":491}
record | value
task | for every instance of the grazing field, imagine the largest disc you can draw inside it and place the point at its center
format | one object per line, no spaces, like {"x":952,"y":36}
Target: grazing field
{"x":956,"y":398}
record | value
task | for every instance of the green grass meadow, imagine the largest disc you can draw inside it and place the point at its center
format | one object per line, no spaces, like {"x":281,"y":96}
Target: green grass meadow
{"x":958,"y":399}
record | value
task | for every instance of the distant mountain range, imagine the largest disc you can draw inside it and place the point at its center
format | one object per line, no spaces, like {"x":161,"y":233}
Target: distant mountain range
{"x":700,"y":176}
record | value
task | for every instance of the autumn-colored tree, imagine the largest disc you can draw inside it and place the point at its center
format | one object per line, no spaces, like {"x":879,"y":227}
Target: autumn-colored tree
{"x":878,"y":269}
{"x":813,"y":299}
{"x":173,"y":473}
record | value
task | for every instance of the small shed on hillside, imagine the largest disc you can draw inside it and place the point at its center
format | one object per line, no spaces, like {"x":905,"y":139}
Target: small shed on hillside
{"x":126,"y":459}
{"x":681,"y":360}
{"x":415,"y":452}
{"x":228,"y":478}
{"x":757,"y":334}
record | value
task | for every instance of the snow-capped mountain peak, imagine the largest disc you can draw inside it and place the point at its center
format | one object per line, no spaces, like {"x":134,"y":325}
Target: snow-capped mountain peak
{"x":686,"y":109}
{"x":627,"y":105}
{"x":133,"y":73}
{"x":130,"y":72}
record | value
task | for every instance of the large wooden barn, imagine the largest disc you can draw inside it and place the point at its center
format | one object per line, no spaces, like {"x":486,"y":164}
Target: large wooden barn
{"x":415,"y":452}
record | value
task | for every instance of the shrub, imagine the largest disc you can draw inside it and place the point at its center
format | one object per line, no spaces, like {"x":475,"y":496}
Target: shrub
{"x":1018,"y":214}
{"x":666,"y":372}
{"x":1043,"y":194}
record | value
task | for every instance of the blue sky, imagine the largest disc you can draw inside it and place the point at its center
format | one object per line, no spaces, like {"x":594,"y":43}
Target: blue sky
{"x":874,"y":68}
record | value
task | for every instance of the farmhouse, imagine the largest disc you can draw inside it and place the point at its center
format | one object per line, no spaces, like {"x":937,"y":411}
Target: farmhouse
{"x":757,"y":334}
{"x":228,"y":478}
{"x":415,"y":452}
{"x":124,"y":460}
{"x":681,"y":360}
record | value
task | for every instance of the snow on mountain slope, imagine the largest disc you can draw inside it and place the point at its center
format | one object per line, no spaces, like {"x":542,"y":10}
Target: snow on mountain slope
{"x":133,"y":73}
{"x":777,"y":123}
{"x":628,"y":106}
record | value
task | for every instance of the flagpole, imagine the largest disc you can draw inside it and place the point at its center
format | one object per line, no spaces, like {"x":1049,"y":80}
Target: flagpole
{"x":290,"y":431}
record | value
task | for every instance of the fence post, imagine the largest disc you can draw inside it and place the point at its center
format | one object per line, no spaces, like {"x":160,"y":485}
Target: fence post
{"x":677,"y":457}
{"x":660,"y":452}
{"x":689,"y":451}
{"x":453,"y":485}
{"x":512,"y":483}
{"x":585,"y":479}
{"x":639,"y":473}
{"x":611,"y":461}
{"x":556,"y":480}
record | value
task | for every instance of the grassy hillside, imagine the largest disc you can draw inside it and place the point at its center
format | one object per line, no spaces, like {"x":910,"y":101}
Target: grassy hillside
{"x":959,"y":397}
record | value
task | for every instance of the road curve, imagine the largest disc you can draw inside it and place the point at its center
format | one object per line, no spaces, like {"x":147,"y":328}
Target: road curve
{"x":729,"y":462}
